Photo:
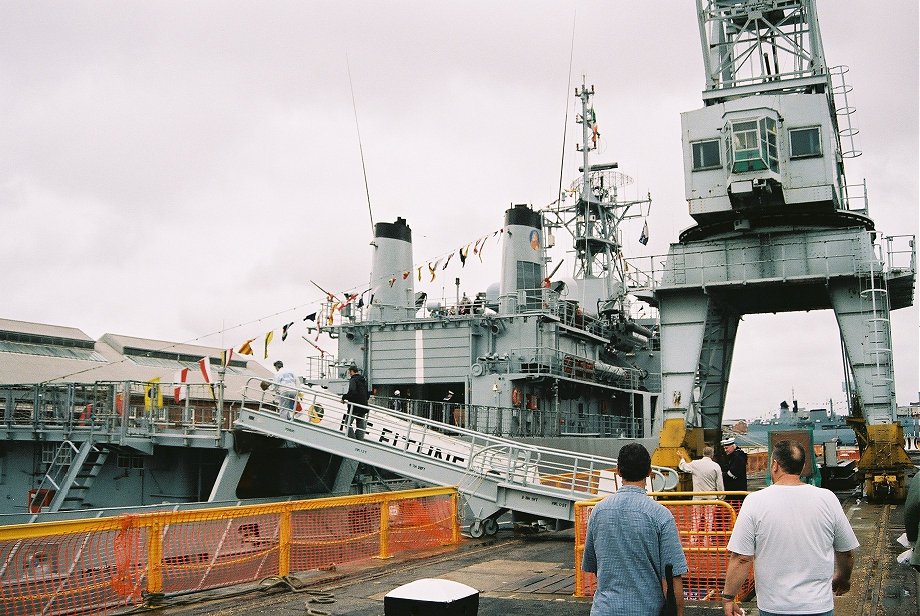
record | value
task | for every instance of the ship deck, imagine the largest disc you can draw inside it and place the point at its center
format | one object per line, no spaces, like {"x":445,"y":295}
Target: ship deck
{"x":520,"y":573}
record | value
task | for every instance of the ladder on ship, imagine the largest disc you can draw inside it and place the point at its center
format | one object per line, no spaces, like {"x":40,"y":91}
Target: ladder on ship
{"x":69,"y":476}
{"x":493,"y":474}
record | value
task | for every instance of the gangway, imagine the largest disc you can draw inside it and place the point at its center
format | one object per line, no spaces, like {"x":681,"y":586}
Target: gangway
{"x":494,"y":475}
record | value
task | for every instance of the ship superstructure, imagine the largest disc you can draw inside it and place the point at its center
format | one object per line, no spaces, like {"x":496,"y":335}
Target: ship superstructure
{"x":532,"y":356}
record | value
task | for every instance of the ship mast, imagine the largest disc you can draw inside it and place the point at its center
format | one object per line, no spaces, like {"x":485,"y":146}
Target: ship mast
{"x":594,"y":219}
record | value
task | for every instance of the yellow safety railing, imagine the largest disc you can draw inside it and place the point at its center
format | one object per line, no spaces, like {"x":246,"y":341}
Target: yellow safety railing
{"x":704,"y":527}
{"x":98,"y":565}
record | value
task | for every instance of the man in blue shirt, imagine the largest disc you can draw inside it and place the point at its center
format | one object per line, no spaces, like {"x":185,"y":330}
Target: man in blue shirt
{"x":630,"y":539}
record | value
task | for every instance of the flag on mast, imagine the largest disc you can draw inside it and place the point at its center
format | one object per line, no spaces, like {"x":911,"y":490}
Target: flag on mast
{"x":643,"y":238}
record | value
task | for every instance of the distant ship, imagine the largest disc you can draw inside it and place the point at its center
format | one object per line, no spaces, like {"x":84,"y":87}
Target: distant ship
{"x":825,"y":424}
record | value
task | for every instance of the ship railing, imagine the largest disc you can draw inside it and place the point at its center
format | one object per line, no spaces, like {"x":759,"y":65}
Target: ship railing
{"x":556,"y":363}
{"x":643,"y":273}
{"x":113,"y":410}
{"x":901,"y":253}
{"x":321,"y":367}
{"x":550,"y":301}
{"x":513,"y":422}
{"x":727,"y":262}
{"x":480,"y":453}
{"x":856,"y":198}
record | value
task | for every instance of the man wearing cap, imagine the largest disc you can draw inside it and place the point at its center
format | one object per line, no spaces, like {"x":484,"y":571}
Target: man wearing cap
{"x":285,"y":385}
{"x":734,"y":468}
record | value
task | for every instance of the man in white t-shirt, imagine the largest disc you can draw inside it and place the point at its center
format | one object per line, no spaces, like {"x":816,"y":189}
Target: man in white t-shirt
{"x":797,"y":537}
{"x":707,"y":477}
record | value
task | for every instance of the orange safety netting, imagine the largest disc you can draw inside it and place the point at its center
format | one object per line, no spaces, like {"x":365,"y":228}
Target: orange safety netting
{"x":704,"y":527}
{"x":98,"y":565}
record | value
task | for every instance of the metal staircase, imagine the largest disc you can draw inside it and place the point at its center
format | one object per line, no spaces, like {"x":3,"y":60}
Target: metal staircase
{"x":70,"y":475}
{"x":493,"y":474}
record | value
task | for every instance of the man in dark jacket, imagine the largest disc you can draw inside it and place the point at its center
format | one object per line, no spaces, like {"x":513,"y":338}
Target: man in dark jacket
{"x":357,"y":395}
{"x":734,"y":469}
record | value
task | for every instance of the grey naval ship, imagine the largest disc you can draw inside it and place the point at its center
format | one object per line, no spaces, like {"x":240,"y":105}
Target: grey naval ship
{"x":562,"y":363}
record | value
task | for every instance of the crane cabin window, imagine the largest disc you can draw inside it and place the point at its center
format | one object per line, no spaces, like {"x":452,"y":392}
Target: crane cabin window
{"x":753,"y":145}
{"x":706,"y":155}
{"x":804,"y":142}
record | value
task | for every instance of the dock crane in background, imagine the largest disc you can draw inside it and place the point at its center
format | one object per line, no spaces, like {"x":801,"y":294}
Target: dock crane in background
{"x":777,"y":229}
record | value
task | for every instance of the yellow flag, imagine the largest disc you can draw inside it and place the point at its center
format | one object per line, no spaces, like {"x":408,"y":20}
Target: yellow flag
{"x":268,"y":339}
{"x":152,"y":389}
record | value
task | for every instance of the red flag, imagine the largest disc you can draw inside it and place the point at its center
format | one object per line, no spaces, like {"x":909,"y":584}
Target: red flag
{"x":179,"y":378}
{"x":204,"y":364}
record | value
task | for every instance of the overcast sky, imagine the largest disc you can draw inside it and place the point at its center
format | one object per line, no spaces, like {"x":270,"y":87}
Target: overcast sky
{"x":183,"y":170}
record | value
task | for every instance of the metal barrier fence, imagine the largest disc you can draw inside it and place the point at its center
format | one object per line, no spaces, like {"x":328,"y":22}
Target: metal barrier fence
{"x":99,"y":565}
{"x":704,"y":527}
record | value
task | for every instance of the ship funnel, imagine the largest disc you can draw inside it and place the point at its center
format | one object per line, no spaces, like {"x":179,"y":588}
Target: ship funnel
{"x":393,"y":284}
{"x":523,"y":264}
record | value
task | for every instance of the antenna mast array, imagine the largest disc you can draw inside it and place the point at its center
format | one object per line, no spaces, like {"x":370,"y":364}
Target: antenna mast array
{"x":593,"y":220}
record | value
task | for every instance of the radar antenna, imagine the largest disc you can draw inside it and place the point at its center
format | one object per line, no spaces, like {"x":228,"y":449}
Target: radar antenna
{"x":594,"y":219}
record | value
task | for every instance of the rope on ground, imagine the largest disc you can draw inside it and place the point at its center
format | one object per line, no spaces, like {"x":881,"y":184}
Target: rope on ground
{"x":154,"y":601}
{"x":295,"y":584}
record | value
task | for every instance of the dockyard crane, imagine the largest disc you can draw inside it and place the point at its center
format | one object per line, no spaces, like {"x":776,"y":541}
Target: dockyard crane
{"x":778,"y":229}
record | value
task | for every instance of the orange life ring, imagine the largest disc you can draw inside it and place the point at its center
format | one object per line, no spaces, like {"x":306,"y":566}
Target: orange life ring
{"x":516,"y":397}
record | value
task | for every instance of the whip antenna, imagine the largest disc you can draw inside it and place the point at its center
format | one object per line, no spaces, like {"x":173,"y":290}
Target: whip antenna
{"x":565,"y":125}
{"x":354,"y":108}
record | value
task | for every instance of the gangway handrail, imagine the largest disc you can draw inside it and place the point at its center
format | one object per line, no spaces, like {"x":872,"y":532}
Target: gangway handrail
{"x":432,"y":451}
{"x":666,"y":475}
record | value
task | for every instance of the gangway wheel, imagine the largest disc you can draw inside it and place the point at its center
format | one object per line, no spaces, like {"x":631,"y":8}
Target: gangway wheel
{"x":477,"y":529}
{"x":481,"y":527}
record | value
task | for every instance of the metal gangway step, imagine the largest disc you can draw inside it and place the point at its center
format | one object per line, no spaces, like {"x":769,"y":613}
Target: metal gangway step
{"x":493,"y":474}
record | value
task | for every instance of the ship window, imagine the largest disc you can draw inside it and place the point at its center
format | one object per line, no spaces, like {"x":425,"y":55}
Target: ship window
{"x":528,"y":277}
{"x":706,"y":155}
{"x":50,"y":451}
{"x":753,"y":145}
{"x":804,"y":142}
